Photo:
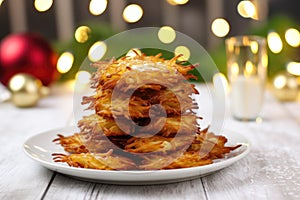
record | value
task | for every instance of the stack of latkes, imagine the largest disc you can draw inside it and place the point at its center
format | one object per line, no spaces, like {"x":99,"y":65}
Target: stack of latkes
{"x":144,"y":119}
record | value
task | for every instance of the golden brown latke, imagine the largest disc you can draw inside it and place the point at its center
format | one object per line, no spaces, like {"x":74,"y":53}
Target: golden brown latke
{"x":144,"y":81}
{"x":104,"y":161}
{"x":157,"y":144}
{"x":186,"y":124}
{"x":109,"y":73}
{"x":207,"y":143}
{"x":93,"y":139}
{"x":165,"y":152}
{"x":189,"y":159}
{"x":71,"y":144}
{"x":83,"y":143}
{"x":174,"y":103}
{"x":99,"y":126}
{"x":174,"y":161}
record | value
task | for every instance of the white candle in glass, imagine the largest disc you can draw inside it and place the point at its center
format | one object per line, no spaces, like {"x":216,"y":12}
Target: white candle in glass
{"x":247,"y":95}
{"x":246,"y":64}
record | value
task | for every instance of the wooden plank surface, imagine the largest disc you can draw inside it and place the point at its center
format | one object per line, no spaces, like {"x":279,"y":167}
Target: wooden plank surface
{"x":272,"y":169}
{"x":75,"y":189}
{"x":22,"y":178}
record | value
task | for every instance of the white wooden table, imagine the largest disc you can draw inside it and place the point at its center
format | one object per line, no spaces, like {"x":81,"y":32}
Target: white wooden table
{"x":270,"y":171}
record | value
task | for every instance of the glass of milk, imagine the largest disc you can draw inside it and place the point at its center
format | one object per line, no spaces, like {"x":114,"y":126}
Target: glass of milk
{"x":247,"y":62}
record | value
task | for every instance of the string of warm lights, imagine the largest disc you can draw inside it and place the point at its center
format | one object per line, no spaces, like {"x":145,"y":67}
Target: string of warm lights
{"x":132,"y":13}
{"x":275,"y":43}
{"x":220,"y":27}
{"x":166,"y":34}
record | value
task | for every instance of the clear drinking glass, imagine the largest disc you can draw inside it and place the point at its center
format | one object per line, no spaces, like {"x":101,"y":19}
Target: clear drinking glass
{"x":247,"y":62}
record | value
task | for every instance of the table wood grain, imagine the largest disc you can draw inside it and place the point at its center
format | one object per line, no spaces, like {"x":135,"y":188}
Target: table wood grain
{"x":270,"y":171}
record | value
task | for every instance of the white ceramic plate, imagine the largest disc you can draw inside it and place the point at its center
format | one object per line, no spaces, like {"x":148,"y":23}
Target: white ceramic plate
{"x":40,"y":147}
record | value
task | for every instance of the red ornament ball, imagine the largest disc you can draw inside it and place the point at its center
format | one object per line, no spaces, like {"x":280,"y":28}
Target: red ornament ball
{"x":27,"y":53}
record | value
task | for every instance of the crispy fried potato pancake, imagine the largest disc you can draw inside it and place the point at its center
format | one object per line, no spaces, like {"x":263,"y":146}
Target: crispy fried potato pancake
{"x":174,"y":161}
{"x":97,"y":125}
{"x":207,"y":143}
{"x":81,"y":143}
{"x":139,"y":105}
{"x":189,"y":159}
{"x":109,"y":73}
{"x":100,"y":126}
{"x":186,"y":124}
{"x":157,"y":144}
{"x":105,"y":161}
{"x":71,"y":144}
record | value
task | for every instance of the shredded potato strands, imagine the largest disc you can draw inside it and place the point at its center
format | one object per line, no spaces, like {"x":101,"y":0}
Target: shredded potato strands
{"x":118,"y":135}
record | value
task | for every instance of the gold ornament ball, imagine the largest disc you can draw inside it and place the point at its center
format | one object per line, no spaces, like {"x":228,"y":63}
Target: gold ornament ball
{"x":285,"y":87}
{"x":25,"y":90}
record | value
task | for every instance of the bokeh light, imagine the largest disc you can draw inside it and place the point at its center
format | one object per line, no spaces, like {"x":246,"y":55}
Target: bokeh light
{"x":293,"y":68}
{"x":65,"y":62}
{"x":1,"y":1}
{"x":184,"y":51}
{"x":43,"y":5}
{"x":265,"y":60}
{"x":97,"y":7}
{"x":166,"y":34}
{"x":177,"y":2}
{"x":220,"y":27}
{"x":132,"y":13}
{"x":235,"y":70}
{"x":249,"y":68}
{"x":280,"y":81}
{"x":83,"y":77}
{"x":133,"y":52}
{"x":292,"y":37}
{"x":246,"y":9}
{"x":254,"y":47}
{"x":97,"y":51}
{"x":259,"y":120}
{"x":219,"y":82}
{"x":274,"y":42}
{"x":17,"y":82}
{"x":82,"y":34}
